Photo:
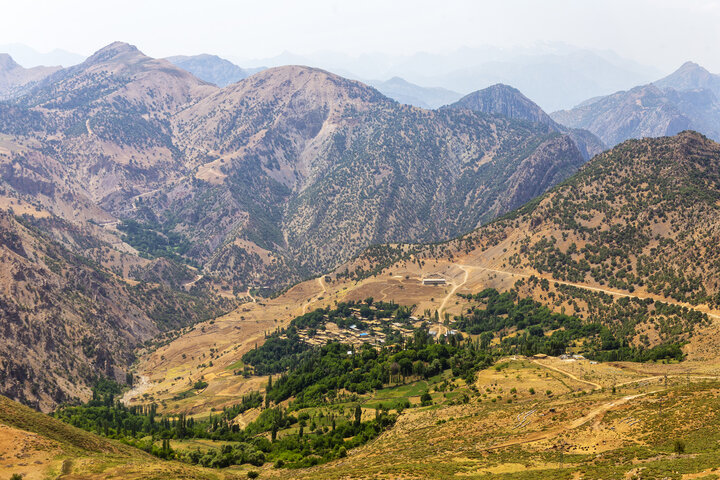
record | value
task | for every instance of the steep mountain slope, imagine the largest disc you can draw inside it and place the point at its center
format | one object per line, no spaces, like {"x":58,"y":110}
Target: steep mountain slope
{"x":411,"y":94}
{"x":80,"y":145}
{"x":509,"y":102}
{"x":640,"y":218}
{"x":65,"y":320}
{"x":687,"y":99}
{"x":352,"y":166}
{"x":14,"y":79}
{"x":211,"y":68}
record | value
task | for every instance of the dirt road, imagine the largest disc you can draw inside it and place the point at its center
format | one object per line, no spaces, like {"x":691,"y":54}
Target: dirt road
{"x":588,"y":287}
{"x":321,"y":282}
{"x":579,"y":422}
{"x":447,"y":298}
{"x":189,"y":285}
{"x":596,"y":386}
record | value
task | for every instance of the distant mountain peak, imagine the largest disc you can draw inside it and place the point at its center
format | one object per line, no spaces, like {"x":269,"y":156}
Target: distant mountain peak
{"x":281,"y":84}
{"x":690,"y":65}
{"x":507,"y":101}
{"x":501,"y":99}
{"x":302,"y":73}
{"x":501,"y":87}
{"x":397,"y":80}
{"x":691,"y":68}
{"x":691,"y":76}
{"x":7,"y":62}
{"x":115,"y":50}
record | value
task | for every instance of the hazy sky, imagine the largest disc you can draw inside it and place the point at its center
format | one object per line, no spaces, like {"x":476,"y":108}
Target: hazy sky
{"x":663,"y":33}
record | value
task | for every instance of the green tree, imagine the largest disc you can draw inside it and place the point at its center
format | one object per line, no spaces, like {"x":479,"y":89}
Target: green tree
{"x":358,"y":415}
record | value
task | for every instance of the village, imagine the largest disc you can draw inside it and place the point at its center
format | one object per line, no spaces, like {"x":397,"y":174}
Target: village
{"x":374,"y":332}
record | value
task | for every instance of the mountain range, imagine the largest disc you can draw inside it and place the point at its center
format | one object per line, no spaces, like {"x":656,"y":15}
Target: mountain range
{"x":208,"y":272}
{"x":555,"y":76}
{"x":686,"y":99}
{"x":157,"y":176}
{"x":28,"y":57}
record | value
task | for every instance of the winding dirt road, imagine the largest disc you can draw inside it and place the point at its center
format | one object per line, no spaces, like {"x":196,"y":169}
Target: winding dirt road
{"x":321,"y":282}
{"x":594,"y":289}
{"x":579,"y":422}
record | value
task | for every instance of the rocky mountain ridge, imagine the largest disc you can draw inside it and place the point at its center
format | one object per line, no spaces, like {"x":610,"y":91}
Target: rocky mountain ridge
{"x":686,"y":99}
{"x":142,"y":139}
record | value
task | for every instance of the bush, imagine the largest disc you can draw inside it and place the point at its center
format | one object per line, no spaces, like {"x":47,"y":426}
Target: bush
{"x":253,"y":474}
{"x":679,"y":446}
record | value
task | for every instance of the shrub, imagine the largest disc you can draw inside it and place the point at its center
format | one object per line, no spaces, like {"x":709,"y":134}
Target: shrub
{"x":679,"y":446}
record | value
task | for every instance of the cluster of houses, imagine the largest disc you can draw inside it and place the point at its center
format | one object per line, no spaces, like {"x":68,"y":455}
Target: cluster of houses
{"x":373,"y":335}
